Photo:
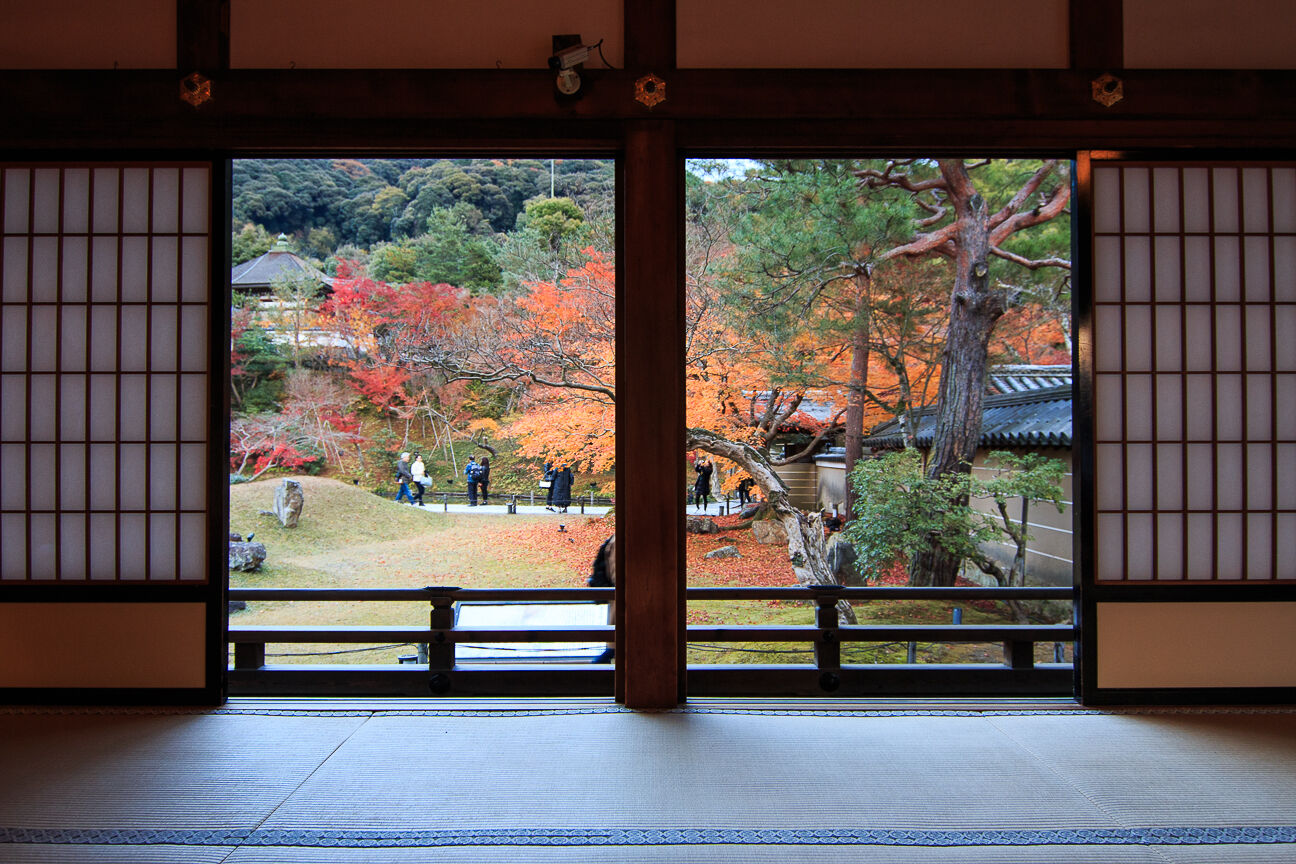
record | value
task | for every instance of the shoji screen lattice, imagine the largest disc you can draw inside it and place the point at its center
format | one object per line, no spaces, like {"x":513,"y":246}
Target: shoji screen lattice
{"x":104,"y":372}
{"x":1195,"y":372}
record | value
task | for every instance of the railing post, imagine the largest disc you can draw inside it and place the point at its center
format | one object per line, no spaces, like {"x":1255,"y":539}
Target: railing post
{"x":249,"y":655}
{"x":1019,"y":655}
{"x":827,"y":649}
{"x":441,"y":651}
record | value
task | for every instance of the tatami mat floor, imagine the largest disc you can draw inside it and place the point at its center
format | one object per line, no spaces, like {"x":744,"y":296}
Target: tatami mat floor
{"x":586,"y":781}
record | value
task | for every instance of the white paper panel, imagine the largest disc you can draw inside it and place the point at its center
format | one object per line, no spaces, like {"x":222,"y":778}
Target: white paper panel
{"x":43,"y":528}
{"x":1197,"y":270}
{"x":42,"y":458}
{"x":13,"y":546}
{"x":193,"y":476}
{"x":1259,"y":476}
{"x":1139,"y":543}
{"x":132,"y":407}
{"x":1138,"y":477}
{"x":1228,"y":476}
{"x":1106,"y":184}
{"x":1201,"y":546}
{"x":13,"y":340}
{"x":13,"y":420}
{"x":1230,"y":529}
{"x":1224,"y":192}
{"x":162,"y":407}
{"x":72,"y":342}
{"x":162,"y":547}
{"x":103,"y":269}
{"x":1109,"y":477}
{"x":1229,"y":417}
{"x":45,"y":201}
{"x":103,"y":339}
{"x":103,"y":546}
{"x":1109,"y":401}
{"x":76,"y":200}
{"x":165,"y":276}
{"x":43,"y":347}
{"x":1228,"y":338}
{"x":133,"y":546}
{"x":1169,"y":272}
{"x":1255,"y":200}
{"x":193,"y":269}
{"x":192,"y":406}
{"x":17,"y":200}
{"x":1170,"y":542}
{"x":13,"y":476}
{"x":1258,"y":347}
{"x":195,"y":206}
{"x":1169,"y":477}
{"x":1259,"y":407}
{"x":1201,"y":480}
{"x":1196,"y":212}
{"x":1169,"y":338}
{"x":1108,"y":336}
{"x":1197,"y":338}
{"x":193,"y":338}
{"x":132,"y":462}
{"x":106,"y":197}
{"x":1228,"y":270}
{"x":1284,"y":269}
{"x":1285,"y":407}
{"x":16,"y":284}
{"x":1285,"y":526}
{"x":1169,"y":408}
{"x":72,"y":408}
{"x":133,"y":348}
{"x":1285,"y":338}
{"x":164,"y":338}
{"x":1165,"y":200}
{"x":1138,"y":347}
{"x":1137,"y":200}
{"x":135,"y":198}
{"x":1138,"y":270}
{"x":103,"y":477}
{"x":1110,"y":547}
{"x":163,"y":477}
{"x":1107,"y":269}
{"x":76,"y":269}
{"x":1139,"y":407}
{"x":44,"y":269}
{"x":42,"y":412}
{"x":193,"y":547}
{"x":166,"y":201}
{"x":1284,"y":200}
{"x":103,"y":407}
{"x":72,"y":546}
{"x":133,"y":287}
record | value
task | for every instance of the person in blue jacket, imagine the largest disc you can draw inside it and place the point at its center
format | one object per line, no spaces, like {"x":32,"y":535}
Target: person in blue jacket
{"x":473,"y":473}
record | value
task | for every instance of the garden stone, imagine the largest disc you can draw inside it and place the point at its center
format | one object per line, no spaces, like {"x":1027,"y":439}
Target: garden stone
{"x":235,"y":538}
{"x":237,"y":605}
{"x":246,"y":556}
{"x":724,"y":552}
{"x":701,"y":525}
{"x":288,"y":503}
{"x":841,"y":559}
{"x":769,"y":532}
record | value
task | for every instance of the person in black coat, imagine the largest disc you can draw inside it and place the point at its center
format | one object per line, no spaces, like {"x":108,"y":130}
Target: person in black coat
{"x":562,"y":486}
{"x":702,"y":488}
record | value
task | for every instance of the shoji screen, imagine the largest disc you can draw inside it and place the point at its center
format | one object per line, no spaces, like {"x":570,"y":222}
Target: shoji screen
{"x":1194,"y":420}
{"x":1195,"y":372}
{"x":105,"y":328}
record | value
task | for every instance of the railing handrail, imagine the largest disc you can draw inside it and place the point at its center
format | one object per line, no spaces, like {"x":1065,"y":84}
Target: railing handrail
{"x":603,"y":595}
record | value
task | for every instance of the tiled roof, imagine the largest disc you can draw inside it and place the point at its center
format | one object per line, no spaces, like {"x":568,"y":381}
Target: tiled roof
{"x":1016,"y":379}
{"x":1039,"y":417}
{"x":275,"y":264}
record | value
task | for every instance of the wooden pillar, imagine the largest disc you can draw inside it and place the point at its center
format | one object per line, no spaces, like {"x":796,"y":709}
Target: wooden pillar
{"x":650,"y":421}
{"x":1097,"y":34}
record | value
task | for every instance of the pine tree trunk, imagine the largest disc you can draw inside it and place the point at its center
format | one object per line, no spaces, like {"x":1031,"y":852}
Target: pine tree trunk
{"x":975,"y":307}
{"x":857,"y":384}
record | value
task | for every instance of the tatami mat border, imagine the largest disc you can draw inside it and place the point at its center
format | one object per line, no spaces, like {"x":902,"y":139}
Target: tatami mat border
{"x":11,"y":710}
{"x":1171,"y":836}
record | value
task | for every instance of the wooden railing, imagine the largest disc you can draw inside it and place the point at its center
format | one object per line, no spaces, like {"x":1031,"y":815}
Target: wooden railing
{"x":445,"y":674}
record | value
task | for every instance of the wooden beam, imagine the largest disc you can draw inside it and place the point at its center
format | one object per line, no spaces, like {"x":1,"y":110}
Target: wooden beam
{"x":650,"y":420}
{"x":1097,"y":35}
{"x":649,"y":27}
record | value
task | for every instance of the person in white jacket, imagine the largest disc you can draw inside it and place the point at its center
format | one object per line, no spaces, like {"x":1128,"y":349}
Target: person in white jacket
{"x":419,"y":471}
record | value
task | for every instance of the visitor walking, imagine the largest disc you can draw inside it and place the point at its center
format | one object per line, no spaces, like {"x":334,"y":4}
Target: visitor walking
{"x":419,"y":473}
{"x":562,"y":486}
{"x":702,"y":488}
{"x":472,"y":471}
{"x":483,"y":480}
{"x":744,"y":490}
{"x":404,"y":478}
{"x":546,"y":483}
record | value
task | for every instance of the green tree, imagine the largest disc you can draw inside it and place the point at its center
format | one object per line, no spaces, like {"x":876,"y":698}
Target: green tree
{"x":250,"y":241}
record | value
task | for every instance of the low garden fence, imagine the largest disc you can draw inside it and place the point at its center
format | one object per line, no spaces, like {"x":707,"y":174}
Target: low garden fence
{"x":438,"y":671}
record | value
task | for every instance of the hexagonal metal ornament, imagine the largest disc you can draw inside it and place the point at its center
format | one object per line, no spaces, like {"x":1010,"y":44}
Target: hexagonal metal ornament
{"x":650,"y":91}
{"x":1108,"y":89}
{"x":195,"y":88}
